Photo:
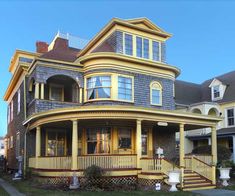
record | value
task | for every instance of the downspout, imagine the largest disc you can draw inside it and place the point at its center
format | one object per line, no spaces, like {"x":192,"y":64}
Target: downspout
{"x":25,"y":134}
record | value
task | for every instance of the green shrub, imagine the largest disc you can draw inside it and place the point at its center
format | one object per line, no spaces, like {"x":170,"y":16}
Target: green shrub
{"x":93,"y":172}
{"x":223,"y":153}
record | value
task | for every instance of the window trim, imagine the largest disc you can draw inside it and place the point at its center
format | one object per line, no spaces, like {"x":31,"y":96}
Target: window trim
{"x":132,"y":86}
{"x":156,"y":88}
{"x":226,"y":116}
{"x":124,"y":43}
{"x":56,"y":136}
{"x":18,"y":101}
{"x":97,"y":75}
{"x":51,"y":85}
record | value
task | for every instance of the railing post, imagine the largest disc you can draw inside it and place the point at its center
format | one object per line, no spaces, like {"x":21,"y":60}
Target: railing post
{"x":138,"y":142}
{"x":38,"y":145}
{"x":75,"y":145}
{"x":182,"y":164}
{"x":214,"y":153}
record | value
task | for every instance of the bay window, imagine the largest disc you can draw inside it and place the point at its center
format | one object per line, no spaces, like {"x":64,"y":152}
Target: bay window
{"x":98,"y":87}
{"x":125,"y":88}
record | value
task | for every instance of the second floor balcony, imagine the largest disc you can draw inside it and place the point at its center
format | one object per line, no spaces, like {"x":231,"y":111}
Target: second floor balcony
{"x":58,"y":92}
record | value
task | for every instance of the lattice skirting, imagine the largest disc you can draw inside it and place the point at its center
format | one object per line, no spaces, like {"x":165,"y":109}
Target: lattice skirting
{"x":106,"y":181}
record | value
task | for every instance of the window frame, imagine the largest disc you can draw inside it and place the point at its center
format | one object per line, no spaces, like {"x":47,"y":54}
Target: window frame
{"x":155,"y":85}
{"x":132,"y":88}
{"x":11,"y":141}
{"x":226,"y":113}
{"x":98,"y":75}
{"x":124,"y":43}
{"x":56,"y":132}
{"x":11,"y":110}
{"x":213,"y":92}
{"x":50,"y":91}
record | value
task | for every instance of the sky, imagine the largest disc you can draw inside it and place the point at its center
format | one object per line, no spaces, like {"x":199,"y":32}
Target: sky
{"x":202,"y":45}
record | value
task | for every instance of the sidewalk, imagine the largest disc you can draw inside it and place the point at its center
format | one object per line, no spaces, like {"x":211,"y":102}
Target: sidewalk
{"x":10,"y":189}
{"x":215,"y":192}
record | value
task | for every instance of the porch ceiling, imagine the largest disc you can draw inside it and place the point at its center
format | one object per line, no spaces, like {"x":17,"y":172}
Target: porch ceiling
{"x":191,"y":121}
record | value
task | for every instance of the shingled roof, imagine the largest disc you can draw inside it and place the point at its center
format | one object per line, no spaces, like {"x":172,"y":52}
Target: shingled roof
{"x":188,"y":93}
{"x":61,"y":51}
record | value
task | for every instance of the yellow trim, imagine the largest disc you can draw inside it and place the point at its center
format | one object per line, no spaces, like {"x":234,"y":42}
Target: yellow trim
{"x":56,"y":85}
{"x":158,"y":67}
{"x":155,"y":85}
{"x":122,"y":112}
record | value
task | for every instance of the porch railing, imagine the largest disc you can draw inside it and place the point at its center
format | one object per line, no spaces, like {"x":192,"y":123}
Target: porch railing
{"x":107,"y":161}
{"x":156,"y":165}
{"x":198,"y":166}
{"x":51,"y":162}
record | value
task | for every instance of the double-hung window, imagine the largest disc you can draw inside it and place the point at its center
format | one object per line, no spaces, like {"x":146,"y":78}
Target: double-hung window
{"x":142,"y":47}
{"x":156,"y":93}
{"x":128,"y":44}
{"x":56,"y":92}
{"x":125,"y":88}
{"x":98,"y":87}
{"x":155,"y":50}
{"x":230,"y":117}
{"x":216,"y":91}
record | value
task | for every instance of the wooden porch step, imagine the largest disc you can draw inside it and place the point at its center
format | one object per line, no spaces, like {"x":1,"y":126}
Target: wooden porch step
{"x":195,"y":180}
{"x":198,"y":187}
{"x":192,"y":184}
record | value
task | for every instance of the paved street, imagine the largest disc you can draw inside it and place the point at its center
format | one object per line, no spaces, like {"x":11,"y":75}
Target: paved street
{"x":215,"y":192}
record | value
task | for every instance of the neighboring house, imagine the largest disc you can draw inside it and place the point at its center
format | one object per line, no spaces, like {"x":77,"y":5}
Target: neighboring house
{"x":110,"y":103}
{"x":2,"y":146}
{"x":214,"y":97}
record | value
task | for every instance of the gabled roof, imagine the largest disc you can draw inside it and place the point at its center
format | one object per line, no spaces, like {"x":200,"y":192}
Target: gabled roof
{"x":131,"y":23}
{"x":185,"y":91}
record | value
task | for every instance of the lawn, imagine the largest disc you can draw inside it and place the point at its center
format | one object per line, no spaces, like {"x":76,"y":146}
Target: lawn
{"x":29,"y":189}
{"x":3,"y":192}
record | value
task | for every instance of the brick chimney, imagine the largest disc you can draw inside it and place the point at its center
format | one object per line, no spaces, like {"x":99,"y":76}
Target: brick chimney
{"x":41,"y":47}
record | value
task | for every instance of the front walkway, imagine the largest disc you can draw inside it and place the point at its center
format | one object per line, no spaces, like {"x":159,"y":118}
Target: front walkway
{"x":215,"y":192}
{"x":12,"y":191}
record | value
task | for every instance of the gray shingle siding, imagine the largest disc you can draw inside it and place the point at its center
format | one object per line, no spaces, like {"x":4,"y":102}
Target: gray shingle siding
{"x":141,"y":90}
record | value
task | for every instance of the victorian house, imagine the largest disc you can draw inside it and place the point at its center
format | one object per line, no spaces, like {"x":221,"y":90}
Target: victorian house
{"x":110,"y":103}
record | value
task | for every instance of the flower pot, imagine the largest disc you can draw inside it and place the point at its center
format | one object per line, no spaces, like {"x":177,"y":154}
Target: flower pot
{"x":174,"y":179}
{"x":224,"y":175}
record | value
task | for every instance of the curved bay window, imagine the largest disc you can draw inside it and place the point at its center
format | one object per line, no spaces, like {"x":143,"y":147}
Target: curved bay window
{"x":98,"y":87}
{"x":98,"y":140}
{"x":156,"y":93}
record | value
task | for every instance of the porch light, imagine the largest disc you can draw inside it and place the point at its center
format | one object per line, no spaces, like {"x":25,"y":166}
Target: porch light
{"x":163,"y":124}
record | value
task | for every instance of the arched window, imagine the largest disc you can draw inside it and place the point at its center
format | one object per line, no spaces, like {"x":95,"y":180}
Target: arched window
{"x":156,"y":93}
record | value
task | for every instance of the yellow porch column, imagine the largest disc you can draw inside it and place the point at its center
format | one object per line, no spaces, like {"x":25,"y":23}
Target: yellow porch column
{"x":36,"y":90}
{"x":38,"y":145}
{"x":214,"y":152}
{"x":138,"y":141}
{"x":150,"y":142}
{"x":182,"y":153}
{"x":42,"y":91}
{"x":75,"y":145}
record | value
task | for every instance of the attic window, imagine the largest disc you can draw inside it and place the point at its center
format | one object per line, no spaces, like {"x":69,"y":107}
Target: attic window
{"x":216,"y":91}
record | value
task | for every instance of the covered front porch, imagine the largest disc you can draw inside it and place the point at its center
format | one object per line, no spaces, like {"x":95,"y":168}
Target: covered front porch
{"x":124,"y":145}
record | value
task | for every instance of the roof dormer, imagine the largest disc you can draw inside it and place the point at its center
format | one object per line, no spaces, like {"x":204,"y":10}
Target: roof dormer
{"x":217,"y":90}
